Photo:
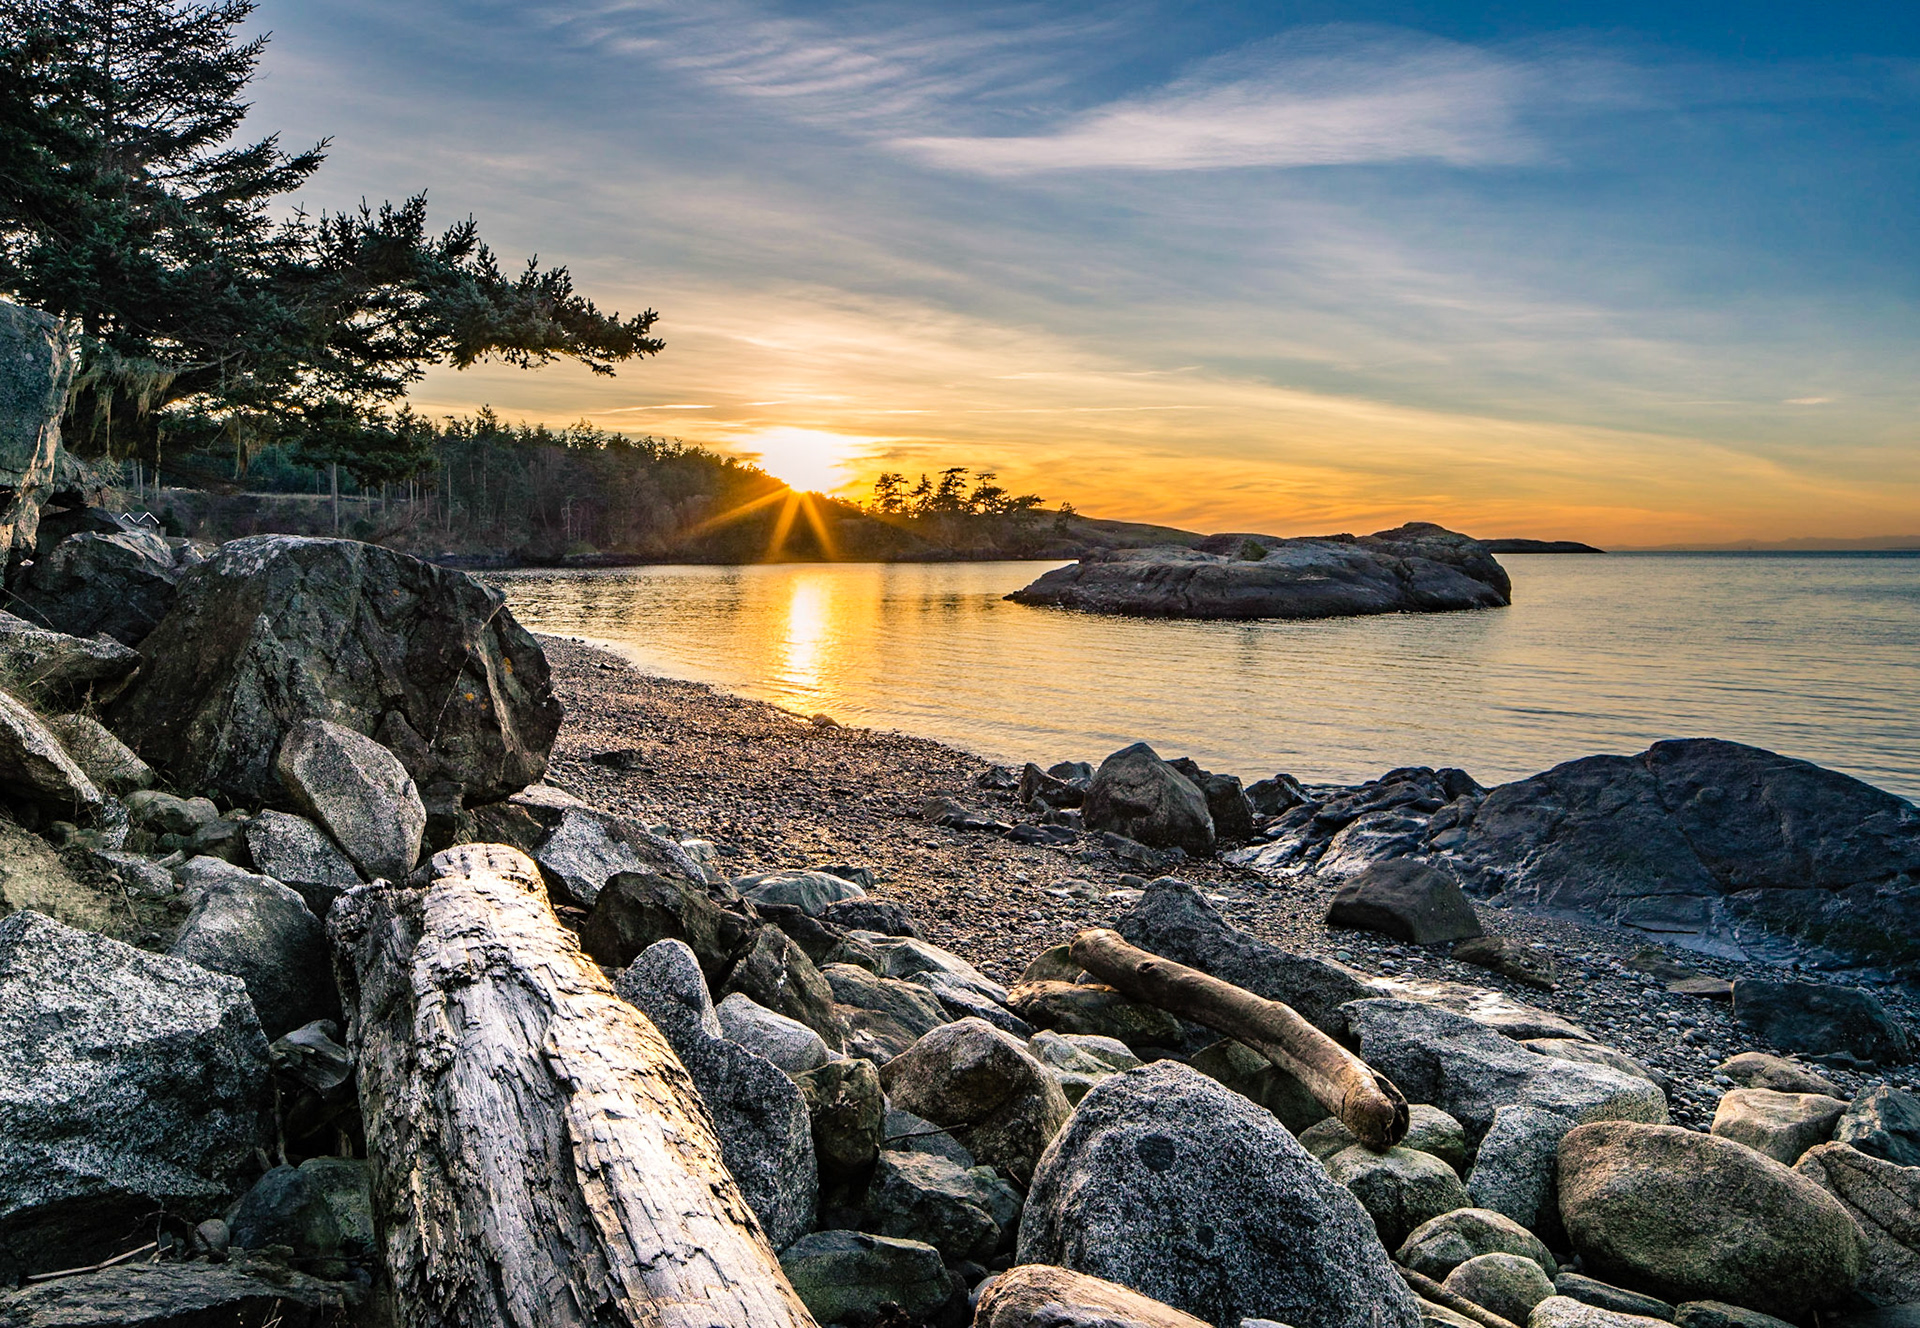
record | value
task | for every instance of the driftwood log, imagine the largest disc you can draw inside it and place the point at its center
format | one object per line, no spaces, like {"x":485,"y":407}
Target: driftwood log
{"x":1366,"y":1102}
{"x":540,"y":1156}
{"x":1429,"y":1290}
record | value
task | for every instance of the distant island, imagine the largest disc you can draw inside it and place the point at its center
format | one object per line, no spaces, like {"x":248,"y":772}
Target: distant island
{"x":1538,"y":546}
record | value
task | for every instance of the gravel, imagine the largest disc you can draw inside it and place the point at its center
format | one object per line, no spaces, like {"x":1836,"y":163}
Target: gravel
{"x":773,"y":789}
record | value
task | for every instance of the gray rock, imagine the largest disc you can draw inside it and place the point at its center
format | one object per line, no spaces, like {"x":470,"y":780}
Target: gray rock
{"x":962,"y":999}
{"x":881,"y":915}
{"x":1592,"y":1053}
{"x":1717,"y":1314}
{"x":1756,"y":1069}
{"x":1136,"y":794}
{"x":168,"y":814}
{"x":1429,"y":1129}
{"x":1092,"y":1008}
{"x":1079,"y":1061}
{"x":1508,"y":1284}
{"x":811,"y":892}
{"x":760,"y":1116}
{"x":1566,"y":1312}
{"x":1592,"y":1291}
{"x":1168,"y":1183}
{"x":587,"y":848}
{"x":1517,"y":1169}
{"x":358,"y":792}
{"x":907,"y":957}
{"x":51,"y":668}
{"x":183,"y":1295}
{"x":34,"y":767}
{"x":1173,"y":921}
{"x":1483,"y":1005}
{"x":1820,"y":1019}
{"x":1884,"y":1123}
{"x":1689,"y":1216}
{"x":312,"y":1055}
{"x":345,"y":1184}
{"x":108,"y":762}
{"x":1781,"y":1125}
{"x":259,"y":931}
{"x":119,"y":585}
{"x":1470,"y":1072}
{"x":1415,"y":568}
{"x":884,"y":1017}
{"x":1883,"y":1198}
{"x":128,"y":1081}
{"x":970,"y":1074}
{"x":788,"y":1043}
{"x":37,"y":359}
{"x":905,"y":1132}
{"x":1717,"y":844}
{"x":1408,"y":900}
{"x":1437,"y":1246}
{"x":1400,"y":1187}
{"x":301,"y":856}
{"x":963,"y":1212}
{"x":140,"y":875}
{"x":287,"y":1207}
{"x":843,"y":1275}
{"x":276,"y":629}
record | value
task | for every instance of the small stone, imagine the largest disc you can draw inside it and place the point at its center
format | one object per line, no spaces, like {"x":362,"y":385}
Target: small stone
{"x":1400,"y":1188}
{"x":1781,"y":1125}
{"x":1438,"y":1246}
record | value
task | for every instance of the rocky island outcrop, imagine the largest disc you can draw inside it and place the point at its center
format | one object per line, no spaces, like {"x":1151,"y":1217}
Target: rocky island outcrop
{"x":1415,"y":568}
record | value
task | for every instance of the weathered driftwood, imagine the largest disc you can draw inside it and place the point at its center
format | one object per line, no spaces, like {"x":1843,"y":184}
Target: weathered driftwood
{"x":540,"y":1156}
{"x":1429,"y":1290}
{"x":1365,"y":1101}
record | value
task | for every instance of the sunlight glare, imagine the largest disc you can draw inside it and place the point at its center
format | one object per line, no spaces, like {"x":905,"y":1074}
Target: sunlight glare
{"x":810,"y":460}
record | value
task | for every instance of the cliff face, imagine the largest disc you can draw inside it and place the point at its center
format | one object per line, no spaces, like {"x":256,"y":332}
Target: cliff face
{"x":1415,"y":568}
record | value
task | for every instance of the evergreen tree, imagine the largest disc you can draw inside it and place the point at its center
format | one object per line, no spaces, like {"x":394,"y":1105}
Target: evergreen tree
{"x":126,"y":206}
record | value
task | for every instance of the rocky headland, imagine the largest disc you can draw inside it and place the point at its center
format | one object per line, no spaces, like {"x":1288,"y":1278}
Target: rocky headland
{"x":1415,"y":568}
{"x":367,"y":960}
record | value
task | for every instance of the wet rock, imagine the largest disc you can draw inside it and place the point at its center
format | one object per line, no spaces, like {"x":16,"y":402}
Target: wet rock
{"x":1781,"y":1125}
{"x":273,"y":630}
{"x":119,"y":585}
{"x":128,"y":1081}
{"x":848,"y":1112}
{"x":1096,"y":1009}
{"x":148,"y":1295}
{"x":760,"y":1116}
{"x":1689,"y":1216}
{"x":1168,"y":1183}
{"x":259,"y":931}
{"x":1517,"y":1169}
{"x":811,"y":892}
{"x":51,"y":668}
{"x":1038,"y":1295}
{"x":1437,"y":1246}
{"x":1136,"y":794}
{"x":1418,"y":567}
{"x":788,"y":1043}
{"x":1400,"y":1188}
{"x":1408,"y":900}
{"x":358,"y":792}
{"x":844,"y":1275}
{"x":1508,"y":1284}
{"x":1820,"y":1019}
{"x":301,"y":856}
{"x":1756,"y":1069}
{"x":1884,"y":1123}
{"x":1591,"y":1291}
{"x":1883,"y":1199}
{"x":108,"y":762}
{"x":962,"y":1212}
{"x":1469,"y":1071}
{"x":35,"y":768}
{"x":970,"y":1074}
{"x":1173,"y":921}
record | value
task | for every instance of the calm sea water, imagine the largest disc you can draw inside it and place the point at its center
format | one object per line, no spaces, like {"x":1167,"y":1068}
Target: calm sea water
{"x":1817,"y":656}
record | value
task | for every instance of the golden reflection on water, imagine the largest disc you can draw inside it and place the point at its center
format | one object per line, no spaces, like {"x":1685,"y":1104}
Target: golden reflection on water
{"x":810,"y":605}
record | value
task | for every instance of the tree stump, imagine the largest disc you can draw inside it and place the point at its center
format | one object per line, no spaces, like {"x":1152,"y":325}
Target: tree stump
{"x":540,"y":1157}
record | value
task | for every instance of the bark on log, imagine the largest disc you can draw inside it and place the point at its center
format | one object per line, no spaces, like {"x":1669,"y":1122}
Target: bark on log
{"x":1366,"y":1101}
{"x":540,"y":1156}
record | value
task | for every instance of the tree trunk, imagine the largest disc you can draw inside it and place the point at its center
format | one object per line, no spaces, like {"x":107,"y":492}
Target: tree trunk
{"x":1365,"y":1101}
{"x":540,"y":1157}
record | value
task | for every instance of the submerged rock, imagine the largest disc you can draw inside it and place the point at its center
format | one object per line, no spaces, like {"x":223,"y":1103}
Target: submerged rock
{"x":1418,"y":567}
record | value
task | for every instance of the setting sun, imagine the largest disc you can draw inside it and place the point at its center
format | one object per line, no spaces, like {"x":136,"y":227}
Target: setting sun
{"x":810,"y":460}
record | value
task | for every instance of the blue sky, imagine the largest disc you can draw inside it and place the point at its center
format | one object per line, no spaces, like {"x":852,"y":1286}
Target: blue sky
{"x":1631,"y":273}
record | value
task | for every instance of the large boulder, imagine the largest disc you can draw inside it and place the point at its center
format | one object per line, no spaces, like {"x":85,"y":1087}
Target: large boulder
{"x":1517,"y":1169}
{"x":812,"y":892}
{"x":1175,"y":922}
{"x":276,"y":629}
{"x":1470,"y":1072}
{"x":128,"y":1082}
{"x":587,"y":848}
{"x":766,"y":1138}
{"x":1820,"y":1019}
{"x":262,"y":932}
{"x":358,"y":792}
{"x":1691,"y":1216}
{"x":36,"y":367}
{"x":1884,"y":1200}
{"x":970,"y":1074}
{"x":119,"y":585}
{"x":1136,"y":794}
{"x":1715,"y":843}
{"x":36,"y":768}
{"x":1418,"y":567}
{"x":1781,"y":1125}
{"x":51,"y":668}
{"x":1038,"y":1295}
{"x":1407,"y":900}
{"x":1172,"y":1185}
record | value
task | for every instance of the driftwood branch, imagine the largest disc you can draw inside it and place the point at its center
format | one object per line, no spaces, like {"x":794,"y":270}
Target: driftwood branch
{"x":1366,"y":1102}
{"x":1427,"y":1289}
{"x":540,"y":1156}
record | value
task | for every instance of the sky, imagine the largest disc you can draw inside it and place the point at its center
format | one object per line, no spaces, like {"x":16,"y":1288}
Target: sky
{"x":1629,"y":273}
